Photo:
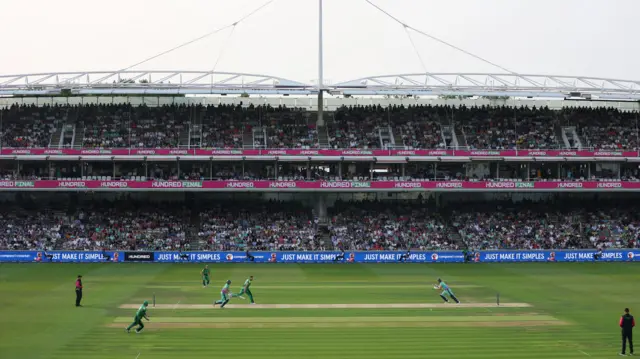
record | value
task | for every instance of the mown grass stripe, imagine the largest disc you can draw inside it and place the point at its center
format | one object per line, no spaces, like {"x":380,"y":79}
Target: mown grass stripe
{"x":346,"y":325}
{"x":203,"y":352}
{"x":575,"y":294}
{"x":479,"y":318}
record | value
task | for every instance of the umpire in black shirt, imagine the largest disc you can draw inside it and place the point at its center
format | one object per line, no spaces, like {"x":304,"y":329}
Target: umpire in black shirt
{"x":627,"y":323}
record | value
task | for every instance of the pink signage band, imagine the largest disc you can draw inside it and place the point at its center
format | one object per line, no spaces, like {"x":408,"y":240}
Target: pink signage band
{"x":318,"y":185}
{"x":311,"y":152}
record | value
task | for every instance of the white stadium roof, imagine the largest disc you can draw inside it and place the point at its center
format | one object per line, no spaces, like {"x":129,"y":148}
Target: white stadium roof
{"x":180,"y":82}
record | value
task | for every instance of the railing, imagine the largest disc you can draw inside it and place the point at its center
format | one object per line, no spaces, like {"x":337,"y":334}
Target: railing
{"x":294,"y":178}
{"x":406,"y":152}
{"x":551,"y":148}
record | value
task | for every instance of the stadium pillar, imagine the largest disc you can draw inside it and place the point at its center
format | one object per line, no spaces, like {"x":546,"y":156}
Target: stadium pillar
{"x":321,"y":207}
{"x":320,"y":121}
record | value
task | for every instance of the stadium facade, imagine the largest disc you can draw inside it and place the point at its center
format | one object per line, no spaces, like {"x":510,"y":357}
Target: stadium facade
{"x":410,"y":140}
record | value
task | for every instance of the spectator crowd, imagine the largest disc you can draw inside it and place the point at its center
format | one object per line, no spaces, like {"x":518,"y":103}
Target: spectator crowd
{"x":286,"y":226}
{"x":362,"y":127}
{"x":99,"y":226}
{"x":377,"y":226}
{"x":258,"y":226}
{"x":364,"y":225}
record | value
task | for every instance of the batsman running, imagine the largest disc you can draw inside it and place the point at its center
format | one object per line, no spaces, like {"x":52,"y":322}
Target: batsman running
{"x":245,"y":289}
{"x":446,"y":291}
{"x":137,"y":320}
{"x":224,"y":295}
{"x":205,"y":276}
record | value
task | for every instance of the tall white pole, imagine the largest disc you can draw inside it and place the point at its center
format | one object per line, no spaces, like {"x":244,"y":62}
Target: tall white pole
{"x":320,"y":57}
{"x":320,"y":122}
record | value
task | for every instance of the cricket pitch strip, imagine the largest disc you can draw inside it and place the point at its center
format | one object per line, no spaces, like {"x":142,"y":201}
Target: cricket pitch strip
{"x":334,"y":306}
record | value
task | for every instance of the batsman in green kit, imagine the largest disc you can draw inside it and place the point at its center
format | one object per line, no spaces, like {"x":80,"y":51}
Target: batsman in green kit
{"x":446,"y":291}
{"x":246,"y":289}
{"x":224,"y":295}
{"x":141,"y":313}
{"x":205,"y":276}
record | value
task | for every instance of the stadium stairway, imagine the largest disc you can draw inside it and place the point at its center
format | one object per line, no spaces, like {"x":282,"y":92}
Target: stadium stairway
{"x":247,"y":138}
{"x":462,"y":139}
{"x":323,"y":133}
{"x":448,"y":136}
{"x":582,"y":140}
{"x":397,"y":138}
{"x":56,"y":137}
{"x":455,"y":237}
{"x":56,"y":140}
{"x":452,"y":234}
{"x":78,"y":139}
{"x":185,"y":138}
{"x":60,"y":216}
{"x":192,"y":231}
{"x":324,"y":238}
{"x":323,"y":136}
{"x":194,"y":242}
{"x":560,"y":133}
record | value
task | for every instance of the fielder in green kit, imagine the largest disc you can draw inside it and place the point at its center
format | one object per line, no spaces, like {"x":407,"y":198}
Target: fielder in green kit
{"x":245,"y":289}
{"x":141,"y":313}
{"x":205,"y":276}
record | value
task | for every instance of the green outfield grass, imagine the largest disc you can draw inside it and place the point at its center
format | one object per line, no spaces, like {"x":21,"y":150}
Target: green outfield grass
{"x":550,"y":310}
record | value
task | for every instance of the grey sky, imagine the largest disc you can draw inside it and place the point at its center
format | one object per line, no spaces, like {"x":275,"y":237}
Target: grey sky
{"x":560,"y":37}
